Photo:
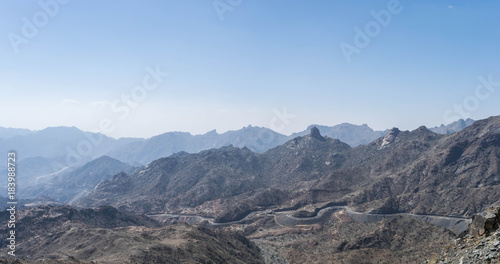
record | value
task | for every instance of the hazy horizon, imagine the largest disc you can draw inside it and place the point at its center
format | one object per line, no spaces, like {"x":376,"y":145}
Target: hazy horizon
{"x":139,"y":69}
{"x":225,"y":131}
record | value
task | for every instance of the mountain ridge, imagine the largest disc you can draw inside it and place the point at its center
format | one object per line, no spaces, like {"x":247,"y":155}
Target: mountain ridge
{"x":69,"y":185}
{"x":382,"y":175}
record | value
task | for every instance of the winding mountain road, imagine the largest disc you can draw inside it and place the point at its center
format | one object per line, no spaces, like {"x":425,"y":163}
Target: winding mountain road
{"x":285,"y":218}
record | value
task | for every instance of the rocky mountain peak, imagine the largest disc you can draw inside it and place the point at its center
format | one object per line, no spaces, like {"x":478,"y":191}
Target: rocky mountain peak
{"x":315,"y":133}
{"x":212,"y":132}
{"x":421,"y":128}
{"x":390,"y":136}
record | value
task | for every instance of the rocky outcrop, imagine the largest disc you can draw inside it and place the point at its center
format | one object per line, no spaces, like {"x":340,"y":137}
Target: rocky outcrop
{"x":480,"y":245}
{"x":390,"y":137}
{"x":485,"y":223}
{"x":315,"y":133}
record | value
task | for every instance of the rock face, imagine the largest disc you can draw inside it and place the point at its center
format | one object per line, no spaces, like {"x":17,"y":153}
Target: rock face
{"x":480,"y":245}
{"x":315,"y":133}
{"x":485,"y":223}
{"x":390,"y":137}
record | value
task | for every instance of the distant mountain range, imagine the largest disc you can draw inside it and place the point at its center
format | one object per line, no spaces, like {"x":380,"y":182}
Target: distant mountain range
{"x":71,"y":143}
{"x":6,"y":133}
{"x":49,"y":154}
{"x":70,"y":185}
{"x":453,"y":127}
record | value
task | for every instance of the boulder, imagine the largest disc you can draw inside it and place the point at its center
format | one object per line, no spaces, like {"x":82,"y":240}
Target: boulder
{"x":485,"y":223}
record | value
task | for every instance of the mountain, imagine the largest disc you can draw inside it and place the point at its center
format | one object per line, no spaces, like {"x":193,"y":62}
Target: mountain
{"x":70,"y":185}
{"x":390,"y":198}
{"x":453,"y":127}
{"x":311,"y":199}
{"x":105,"y":235}
{"x":69,"y":146}
{"x":50,"y":151}
{"x":56,"y":148}
{"x":182,"y":180}
{"x":55,"y":142}
{"x":6,"y":133}
{"x":255,"y":138}
{"x":414,"y":172}
{"x":459,"y":175}
{"x":354,"y":135}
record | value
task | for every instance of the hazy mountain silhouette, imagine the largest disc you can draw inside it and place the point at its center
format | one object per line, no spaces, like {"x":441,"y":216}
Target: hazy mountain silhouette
{"x":6,"y":133}
{"x":72,"y":184}
{"x":453,"y":127}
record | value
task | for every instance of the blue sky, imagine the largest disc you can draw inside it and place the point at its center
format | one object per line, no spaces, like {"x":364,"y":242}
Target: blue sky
{"x":263,"y":59}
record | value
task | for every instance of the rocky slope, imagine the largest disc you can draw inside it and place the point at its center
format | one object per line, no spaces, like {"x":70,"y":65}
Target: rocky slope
{"x":105,"y":235}
{"x":458,"y":175}
{"x":399,"y":240}
{"x":418,"y":172}
{"x":341,"y":238}
{"x":238,"y":180}
{"x":72,"y":184}
{"x":480,"y":245}
{"x":54,"y":149}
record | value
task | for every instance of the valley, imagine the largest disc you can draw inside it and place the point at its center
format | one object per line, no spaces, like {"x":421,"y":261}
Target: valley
{"x":250,"y":132}
{"x":400,"y":198}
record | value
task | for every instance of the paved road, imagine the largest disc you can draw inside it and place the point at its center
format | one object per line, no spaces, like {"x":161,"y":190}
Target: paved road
{"x":455,"y":224}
